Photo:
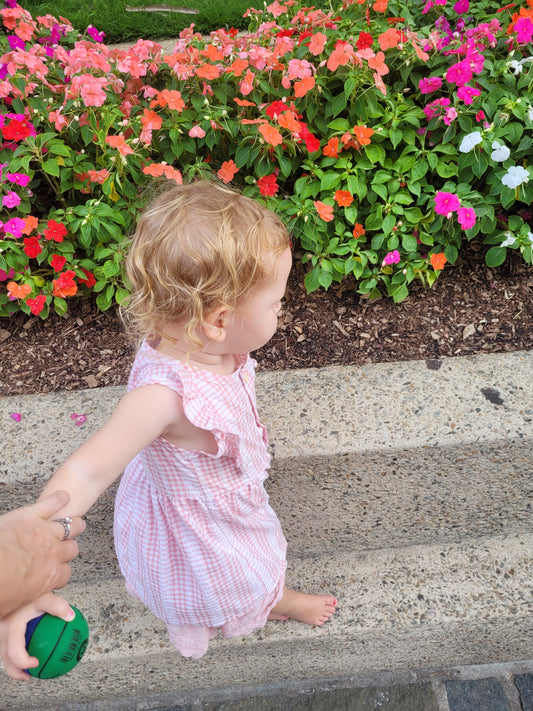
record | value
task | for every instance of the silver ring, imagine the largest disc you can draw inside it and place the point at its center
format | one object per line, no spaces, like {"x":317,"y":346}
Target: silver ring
{"x":65,"y":522}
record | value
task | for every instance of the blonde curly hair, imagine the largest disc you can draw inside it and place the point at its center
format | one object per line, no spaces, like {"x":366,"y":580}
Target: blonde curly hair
{"x":197,"y":247}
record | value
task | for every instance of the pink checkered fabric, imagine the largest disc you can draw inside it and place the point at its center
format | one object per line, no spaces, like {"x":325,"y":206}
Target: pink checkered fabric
{"x":196,"y":538}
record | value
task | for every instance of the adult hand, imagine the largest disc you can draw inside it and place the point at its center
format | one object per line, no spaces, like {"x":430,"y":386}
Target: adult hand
{"x":33,"y":553}
{"x":13,"y":628}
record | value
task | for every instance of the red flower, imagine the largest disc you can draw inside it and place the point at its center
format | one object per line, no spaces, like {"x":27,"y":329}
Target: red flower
{"x":32,"y":246}
{"x":364,"y":40}
{"x":16,"y":130}
{"x":57,"y":262}
{"x":267,"y":185}
{"x":36,"y":305}
{"x":55,"y":231}
{"x":276,"y":108}
{"x":311,"y":141}
{"x":65,"y":285}
{"x":90,"y":280}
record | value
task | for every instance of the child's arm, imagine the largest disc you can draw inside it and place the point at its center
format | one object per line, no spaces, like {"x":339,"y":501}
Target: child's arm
{"x":140,"y":417}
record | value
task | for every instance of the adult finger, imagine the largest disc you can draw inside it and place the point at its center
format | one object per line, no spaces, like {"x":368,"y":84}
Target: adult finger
{"x":48,"y":507}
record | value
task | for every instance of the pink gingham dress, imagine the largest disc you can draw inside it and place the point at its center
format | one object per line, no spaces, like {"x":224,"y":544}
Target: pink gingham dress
{"x":196,"y":538}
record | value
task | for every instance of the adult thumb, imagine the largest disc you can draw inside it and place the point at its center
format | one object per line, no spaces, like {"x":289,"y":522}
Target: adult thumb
{"x":46,"y":508}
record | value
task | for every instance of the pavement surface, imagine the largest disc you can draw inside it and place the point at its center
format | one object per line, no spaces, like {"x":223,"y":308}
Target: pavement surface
{"x":403,"y":488}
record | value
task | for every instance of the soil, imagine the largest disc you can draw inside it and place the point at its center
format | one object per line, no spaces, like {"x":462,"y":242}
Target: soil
{"x":470,"y":310}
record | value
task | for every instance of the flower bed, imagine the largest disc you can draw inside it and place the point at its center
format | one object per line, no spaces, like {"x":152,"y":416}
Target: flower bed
{"x":384,"y":134}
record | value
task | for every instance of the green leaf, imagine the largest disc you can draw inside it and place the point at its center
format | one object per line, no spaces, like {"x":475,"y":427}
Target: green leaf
{"x":395,"y":136}
{"x":495,"y":256}
{"x":311,"y":280}
{"x":419,"y":169}
{"x":330,"y":181}
{"x":339,"y":104}
{"x":51,"y":167}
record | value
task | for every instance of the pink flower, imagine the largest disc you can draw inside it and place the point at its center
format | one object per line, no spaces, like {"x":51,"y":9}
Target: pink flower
{"x":524,"y":30}
{"x":391,"y":258}
{"x":427,"y":86}
{"x":11,"y":199}
{"x":467,"y":94}
{"x":16,"y":416}
{"x":450,"y":115}
{"x":197,"y":132}
{"x":466,"y":217}
{"x":461,"y":7}
{"x":459,"y":74}
{"x":18,"y":179}
{"x":446,"y":203}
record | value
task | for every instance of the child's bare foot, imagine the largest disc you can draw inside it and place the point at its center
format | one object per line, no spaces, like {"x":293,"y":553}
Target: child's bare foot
{"x":312,"y":609}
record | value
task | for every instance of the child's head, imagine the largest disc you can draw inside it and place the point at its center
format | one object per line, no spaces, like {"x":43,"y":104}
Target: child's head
{"x":198,"y":247}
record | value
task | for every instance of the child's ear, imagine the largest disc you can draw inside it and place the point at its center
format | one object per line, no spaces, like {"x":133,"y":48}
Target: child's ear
{"x":214,"y":325}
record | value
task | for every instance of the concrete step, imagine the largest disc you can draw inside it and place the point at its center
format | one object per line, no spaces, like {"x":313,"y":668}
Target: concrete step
{"x":404,"y":489}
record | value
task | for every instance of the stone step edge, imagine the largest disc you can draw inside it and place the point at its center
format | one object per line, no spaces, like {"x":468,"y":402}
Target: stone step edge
{"x":316,"y":412}
{"x":434,"y":585}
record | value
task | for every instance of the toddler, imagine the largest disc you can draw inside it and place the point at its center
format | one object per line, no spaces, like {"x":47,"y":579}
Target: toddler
{"x":196,"y":538}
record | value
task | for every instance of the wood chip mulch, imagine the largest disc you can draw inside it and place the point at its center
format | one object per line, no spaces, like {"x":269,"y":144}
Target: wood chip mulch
{"x":471,"y":310}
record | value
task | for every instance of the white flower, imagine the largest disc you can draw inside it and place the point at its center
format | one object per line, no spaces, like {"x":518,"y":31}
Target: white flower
{"x":499,"y":152}
{"x":470,"y":141}
{"x":530,"y":237}
{"x":509,"y":241}
{"x":530,"y":113}
{"x":515,"y":176}
{"x":516,"y":66}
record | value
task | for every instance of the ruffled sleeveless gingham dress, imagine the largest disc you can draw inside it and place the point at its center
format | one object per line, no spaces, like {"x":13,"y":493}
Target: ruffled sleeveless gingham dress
{"x":196,"y":538}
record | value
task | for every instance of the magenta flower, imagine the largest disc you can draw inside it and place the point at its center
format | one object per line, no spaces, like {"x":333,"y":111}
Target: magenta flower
{"x":446,"y":203}
{"x":524,"y":30}
{"x":11,"y":199}
{"x":467,"y":94}
{"x":466,"y":217}
{"x":392,"y":258}
{"x":14,"y":226}
{"x":15,"y":42}
{"x":18,"y":178}
{"x":97,"y":36}
{"x":16,"y":416}
{"x":427,"y":86}
{"x":459,"y":74}
{"x":461,"y":7}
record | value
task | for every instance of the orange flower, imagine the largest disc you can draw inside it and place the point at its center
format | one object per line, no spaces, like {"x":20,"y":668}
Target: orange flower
{"x":358,"y":230}
{"x":18,"y":291}
{"x":212,"y":53}
{"x":438,"y":261}
{"x":30,"y":223}
{"x":341,"y":55}
{"x":227,"y":171}
{"x":238,"y":66}
{"x":343,"y":198}
{"x":120,"y":144}
{"x":171,"y":98}
{"x":380,"y":5}
{"x":151,"y":121}
{"x":243,"y":102}
{"x":271,"y":134}
{"x":363,"y":134}
{"x":378,"y":63}
{"x":208,"y":71}
{"x":325,"y":212}
{"x":317,"y":43}
{"x":302,"y":87}
{"x":389,"y":39}
{"x":331,"y":149}
{"x":288,"y":120}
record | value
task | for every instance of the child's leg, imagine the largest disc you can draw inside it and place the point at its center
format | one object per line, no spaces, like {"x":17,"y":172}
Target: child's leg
{"x":312,"y":609}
